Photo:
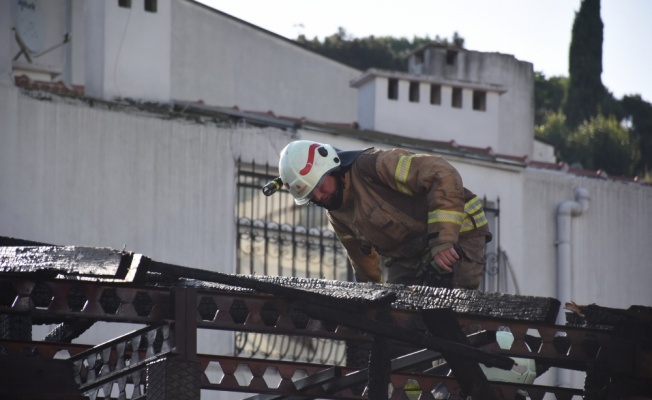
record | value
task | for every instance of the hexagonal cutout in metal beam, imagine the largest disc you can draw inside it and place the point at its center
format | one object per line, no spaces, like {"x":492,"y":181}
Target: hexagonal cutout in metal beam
{"x":42,"y":295}
{"x":299,"y":319}
{"x":269,"y":314}
{"x":76,"y":298}
{"x":207,"y":308}
{"x":272,"y":377}
{"x":562,"y":343}
{"x":243,"y":375}
{"x":533,"y":340}
{"x":239,"y":311}
{"x":214,"y":372}
{"x":110,"y":301}
{"x":143,"y":304}
{"x":8,"y":294}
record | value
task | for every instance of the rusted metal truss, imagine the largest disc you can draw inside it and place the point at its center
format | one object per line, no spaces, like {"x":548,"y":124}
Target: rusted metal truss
{"x":77,"y":287}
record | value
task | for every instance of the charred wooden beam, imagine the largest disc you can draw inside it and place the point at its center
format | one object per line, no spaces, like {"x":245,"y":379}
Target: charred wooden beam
{"x":410,"y":298}
{"x":104,"y":263}
{"x":341,"y":300}
{"x":478,"y":303}
{"x":380,"y":359}
{"x":50,"y":261}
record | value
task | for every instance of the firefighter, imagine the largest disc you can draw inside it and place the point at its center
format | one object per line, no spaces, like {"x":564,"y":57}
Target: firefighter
{"x":410,"y":210}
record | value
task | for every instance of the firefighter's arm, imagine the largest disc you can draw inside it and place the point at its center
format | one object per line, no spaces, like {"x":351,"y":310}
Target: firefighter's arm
{"x":366,"y":267}
{"x":436,"y":179}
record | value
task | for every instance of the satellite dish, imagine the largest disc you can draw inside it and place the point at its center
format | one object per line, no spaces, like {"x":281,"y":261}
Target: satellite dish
{"x":29,"y":23}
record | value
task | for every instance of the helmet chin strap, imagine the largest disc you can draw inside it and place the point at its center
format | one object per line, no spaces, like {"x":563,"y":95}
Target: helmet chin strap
{"x":337,"y":197}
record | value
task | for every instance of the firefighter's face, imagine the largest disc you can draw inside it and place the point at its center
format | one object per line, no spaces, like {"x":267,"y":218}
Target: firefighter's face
{"x":323,"y":193}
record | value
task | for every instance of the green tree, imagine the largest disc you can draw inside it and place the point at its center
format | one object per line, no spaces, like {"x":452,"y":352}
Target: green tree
{"x":548,"y":95}
{"x":599,"y":143}
{"x":603,"y":143}
{"x":585,"y":89}
{"x":555,"y":132}
{"x":638,"y":114}
{"x":383,"y":52}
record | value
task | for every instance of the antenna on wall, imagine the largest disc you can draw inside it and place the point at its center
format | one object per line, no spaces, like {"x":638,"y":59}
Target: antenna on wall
{"x":29,"y":27}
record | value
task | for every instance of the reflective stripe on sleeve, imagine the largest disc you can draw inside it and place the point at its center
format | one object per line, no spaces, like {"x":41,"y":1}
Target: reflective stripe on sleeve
{"x":475,"y":217}
{"x":473,"y":205}
{"x":480,"y":220}
{"x":472,"y":217}
{"x":445,"y":216}
{"x":401,"y":174}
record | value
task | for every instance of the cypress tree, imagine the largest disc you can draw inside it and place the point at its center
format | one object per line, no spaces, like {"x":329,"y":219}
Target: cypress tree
{"x":585,"y":89}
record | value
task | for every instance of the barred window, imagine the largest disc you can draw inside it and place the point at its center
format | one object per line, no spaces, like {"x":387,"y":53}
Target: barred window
{"x":277,"y":237}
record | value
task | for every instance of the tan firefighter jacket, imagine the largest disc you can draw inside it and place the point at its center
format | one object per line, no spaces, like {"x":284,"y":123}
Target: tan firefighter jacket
{"x":399,"y":204}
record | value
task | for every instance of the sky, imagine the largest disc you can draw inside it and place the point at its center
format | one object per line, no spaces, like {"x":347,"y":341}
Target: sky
{"x":536,"y":31}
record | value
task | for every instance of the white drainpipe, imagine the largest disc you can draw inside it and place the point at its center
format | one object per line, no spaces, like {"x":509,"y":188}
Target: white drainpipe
{"x":565,"y":212}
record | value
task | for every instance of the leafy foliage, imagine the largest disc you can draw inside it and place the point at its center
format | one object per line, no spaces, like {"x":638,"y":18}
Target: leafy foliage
{"x":600,"y":143}
{"x":638,"y":113}
{"x":383,"y":52}
{"x":603,"y":144}
{"x":548,"y":95}
{"x":555,"y":132}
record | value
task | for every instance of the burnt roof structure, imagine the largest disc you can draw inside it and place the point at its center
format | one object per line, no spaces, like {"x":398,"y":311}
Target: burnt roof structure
{"x":76,"y":287}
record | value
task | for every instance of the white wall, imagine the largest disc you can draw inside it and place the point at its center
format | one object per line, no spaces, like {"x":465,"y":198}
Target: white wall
{"x":132,"y":48}
{"x":516,"y":116}
{"x":368,"y":103}
{"x":543,"y":152}
{"x":227,"y":62}
{"x":504,"y":183}
{"x":441,"y":122}
{"x":6,"y":44}
{"x":610,"y":241}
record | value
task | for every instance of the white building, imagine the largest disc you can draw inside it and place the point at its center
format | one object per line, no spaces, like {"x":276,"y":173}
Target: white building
{"x":162,"y":180}
{"x":476,"y":99}
{"x":162,"y":50}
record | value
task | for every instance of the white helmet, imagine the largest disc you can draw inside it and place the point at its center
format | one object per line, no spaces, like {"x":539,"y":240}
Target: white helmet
{"x":304,"y":164}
